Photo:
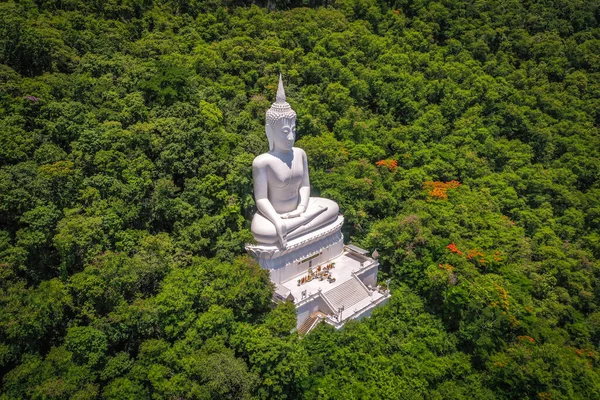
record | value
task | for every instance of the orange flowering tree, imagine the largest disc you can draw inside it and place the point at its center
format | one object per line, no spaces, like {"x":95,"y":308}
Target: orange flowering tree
{"x":438,"y":190}
{"x":476,"y":256}
{"x":392,"y":165}
{"x":452,"y":247}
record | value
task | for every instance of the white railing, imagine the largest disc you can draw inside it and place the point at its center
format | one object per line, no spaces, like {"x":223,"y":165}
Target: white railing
{"x":339,"y":323}
{"x":308,"y":298}
{"x":355,"y":276}
{"x":365,"y":266}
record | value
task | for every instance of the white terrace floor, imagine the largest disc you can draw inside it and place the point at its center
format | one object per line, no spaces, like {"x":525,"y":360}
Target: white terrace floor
{"x":345,"y":265}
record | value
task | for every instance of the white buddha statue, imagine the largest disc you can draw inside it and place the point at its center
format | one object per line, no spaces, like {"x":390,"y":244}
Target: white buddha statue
{"x":281,"y":185}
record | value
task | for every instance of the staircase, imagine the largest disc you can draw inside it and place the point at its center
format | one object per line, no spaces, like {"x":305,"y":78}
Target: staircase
{"x":310,"y":323}
{"x":347,"y":294}
{"x":306,"y":325}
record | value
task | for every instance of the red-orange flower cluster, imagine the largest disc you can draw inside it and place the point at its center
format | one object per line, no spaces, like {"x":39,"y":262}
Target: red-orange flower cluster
{"x":503,"y":294}
{"x":452,"y":247}
{"x":447,"y":267}
{"x":389,"y":164}
{"x":476,"y":253}
{"x":528,"y":338}
{"x":438,"y":189}
{"x":583,"y":352}
{"x":497,"y":256}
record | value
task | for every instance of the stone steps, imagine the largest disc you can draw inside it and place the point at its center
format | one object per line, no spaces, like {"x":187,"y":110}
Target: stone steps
{"x":347,"y":294}
{"x":306,"y":325}
{"x":310,"y":323}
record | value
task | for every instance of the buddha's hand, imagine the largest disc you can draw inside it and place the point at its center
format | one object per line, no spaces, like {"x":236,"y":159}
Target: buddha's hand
{"x":281,"y":230}
{"x":296,"y":213}
{"x":293,"y":214}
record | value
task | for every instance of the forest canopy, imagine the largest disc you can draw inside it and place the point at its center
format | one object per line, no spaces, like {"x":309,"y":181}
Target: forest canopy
{"x":460,"y":139}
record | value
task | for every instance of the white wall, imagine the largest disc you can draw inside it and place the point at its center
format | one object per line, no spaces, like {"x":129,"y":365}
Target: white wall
{"x":294,"y":268}
{"x":307,"y":309}
{"x":369,"y":277}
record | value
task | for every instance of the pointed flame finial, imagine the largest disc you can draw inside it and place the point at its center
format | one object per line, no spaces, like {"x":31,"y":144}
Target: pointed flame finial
{"x":280,"y":98}
{"x":281,"y":108}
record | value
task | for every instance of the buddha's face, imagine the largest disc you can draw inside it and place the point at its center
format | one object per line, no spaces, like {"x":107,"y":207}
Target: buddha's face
{"x":283,"y":134}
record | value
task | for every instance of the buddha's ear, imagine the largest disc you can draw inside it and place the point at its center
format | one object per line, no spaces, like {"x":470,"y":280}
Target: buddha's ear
{"x":269,"y":132}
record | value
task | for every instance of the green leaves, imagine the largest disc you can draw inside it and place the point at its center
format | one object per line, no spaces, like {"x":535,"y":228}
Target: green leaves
{"x":87,"y":344}
{"x":166,"y":86}
{"x":127,"y":133}
{"x":31,"y":319}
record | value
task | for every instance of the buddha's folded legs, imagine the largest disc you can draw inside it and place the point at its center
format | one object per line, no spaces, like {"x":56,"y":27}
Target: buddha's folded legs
{"x":328,"y":216}
{"x":320,"y":212}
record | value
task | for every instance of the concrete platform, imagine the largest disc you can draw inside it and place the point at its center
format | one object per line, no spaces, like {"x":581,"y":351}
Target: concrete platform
{"x":353,"y":295}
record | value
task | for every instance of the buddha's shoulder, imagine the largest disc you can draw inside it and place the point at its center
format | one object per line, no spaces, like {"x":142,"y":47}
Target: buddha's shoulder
{"x":262,"y":160}
{"x":298,"y":151}
{"x":266,"y":159}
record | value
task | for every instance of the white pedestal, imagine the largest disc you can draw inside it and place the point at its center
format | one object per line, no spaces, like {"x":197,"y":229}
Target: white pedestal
{"x":313,"y":249}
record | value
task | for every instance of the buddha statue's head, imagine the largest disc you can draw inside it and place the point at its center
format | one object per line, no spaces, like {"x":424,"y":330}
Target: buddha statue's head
{"x":281,"y":122}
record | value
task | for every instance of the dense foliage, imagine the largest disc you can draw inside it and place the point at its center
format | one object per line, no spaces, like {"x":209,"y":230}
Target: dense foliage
{"x":460,"y":138}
